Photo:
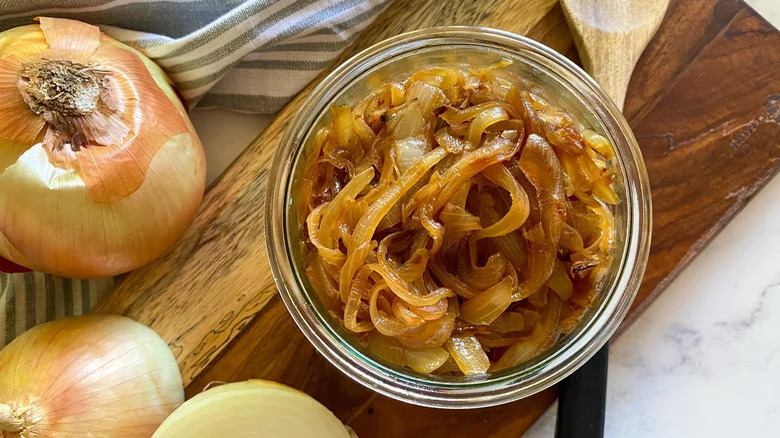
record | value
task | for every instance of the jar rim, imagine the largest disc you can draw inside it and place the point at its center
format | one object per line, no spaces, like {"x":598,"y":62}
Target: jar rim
{"x":544,"y":370}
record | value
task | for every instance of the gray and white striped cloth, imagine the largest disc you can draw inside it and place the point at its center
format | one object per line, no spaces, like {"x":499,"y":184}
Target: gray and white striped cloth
{"x":248,"y":55}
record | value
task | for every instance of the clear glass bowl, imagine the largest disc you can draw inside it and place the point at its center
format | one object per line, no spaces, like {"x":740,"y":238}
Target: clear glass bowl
{"x":568,"y":86}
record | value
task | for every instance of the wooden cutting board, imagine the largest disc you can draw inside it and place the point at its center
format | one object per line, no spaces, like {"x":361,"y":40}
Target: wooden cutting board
{"x":704,"y":103}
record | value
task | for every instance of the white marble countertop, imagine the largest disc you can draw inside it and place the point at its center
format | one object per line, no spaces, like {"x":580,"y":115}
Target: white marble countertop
{"x":704,"y":359}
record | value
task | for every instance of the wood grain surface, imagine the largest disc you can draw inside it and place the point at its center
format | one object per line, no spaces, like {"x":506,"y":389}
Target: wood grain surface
{"x":704,"y":102}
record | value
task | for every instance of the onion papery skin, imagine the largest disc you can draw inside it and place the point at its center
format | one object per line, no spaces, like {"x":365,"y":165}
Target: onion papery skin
{"x":255,"y":408}
{"x":89,"y":376}
{"x":104,"y":209}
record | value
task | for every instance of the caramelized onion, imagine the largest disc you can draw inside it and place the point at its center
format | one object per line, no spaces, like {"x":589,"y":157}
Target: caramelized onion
{"x":469,"y":355}
{"x":543,"y":336}
{"x":508,"y":322}
{"x":488,"y":305}
{"x":483,"y":120}
{"x":457,"y":221}
{"x":483,"y":276}
{"x":518,"y":212}
{"x":541,"y":166}
{"x":425,"y":361}
{"x":559,"y":281}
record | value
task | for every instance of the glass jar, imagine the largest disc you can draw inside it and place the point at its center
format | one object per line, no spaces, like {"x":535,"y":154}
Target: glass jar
{"x":567,"y":86}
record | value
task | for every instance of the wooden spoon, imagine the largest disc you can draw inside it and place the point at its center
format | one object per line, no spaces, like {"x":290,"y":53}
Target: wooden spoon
{"x":611,"y":35}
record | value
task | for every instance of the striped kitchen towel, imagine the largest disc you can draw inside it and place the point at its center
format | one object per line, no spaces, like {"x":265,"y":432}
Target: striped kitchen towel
{"x":248,"y":55}
{"x":33,"y":298}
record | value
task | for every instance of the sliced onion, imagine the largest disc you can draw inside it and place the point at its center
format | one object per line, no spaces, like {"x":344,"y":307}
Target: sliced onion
{"x":461,"y":195}
{"x":469,"y":355}
{"x":450,"y":280}
{"x":499,"y":340}
{"x":483,"y":277}
{"x":378,"y":106}
{"x":544,"y":336}
{"x":570,"y":322}
{"x":519,"y":101}
{"x":602,"y":189}
{"x":485,"y":196}
{"x":362,"y":129}
{"x":336,"y":207}
{"x":598,"y":143}
{"x":318,"y":277}
{"x":433,"y":227}
{"x":471,"y":163}
{"x":403,"y":312}
{"x":483,"y":120}
{"x":439,"y":77}
{"x":540,"y":165}
{"x":433,"y":312}
{"x":331,"y":255}
{"x":353,"y":304}
{"x":452,"y":144}
{"x":252,"y":408}
{"x":561,"y":131}
{"x":397,"y":94}
{"x":343,"y":126}
{"x":431,"y":333}
{"x":409,"y":150}
{"x":457,"y":219}
{"x":580,"y":169}
{"x":426,"y":191}
{"x":391,"y":194}
{"x":539,"y":298}
{"x":485,"y":307}
{"x":414,"y":268}
{"x":309,"y":175}
{"x":559,"y":281}
{"x":512,"y":244}
{"x":391,"y":219}
{"x":531,"y":317}
{"x":429,"y":97}
{"x":386,"y":348}
{"x":515,"y":125}
{"x":385,"y":323}
{"x":454,"y":116}
{"x":388,"y":196}
{"x":406,"y":121}
{"x":400,"y":287}
{"x":425,"y":361}
{"x":571,"y":238}
{"x":448,"y":367}
{"x":518,"y":211}
{"x":541,"y":258}
{"x":353,"y":262}
{"x":508,"y":322}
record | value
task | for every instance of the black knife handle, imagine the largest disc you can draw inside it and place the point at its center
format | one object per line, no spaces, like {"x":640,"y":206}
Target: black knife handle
{"x":582,"y":399}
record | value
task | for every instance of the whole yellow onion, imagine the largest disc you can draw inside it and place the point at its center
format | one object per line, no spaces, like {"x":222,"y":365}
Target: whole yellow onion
{"x":87,"y":376}
{"x":100,"y":168}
